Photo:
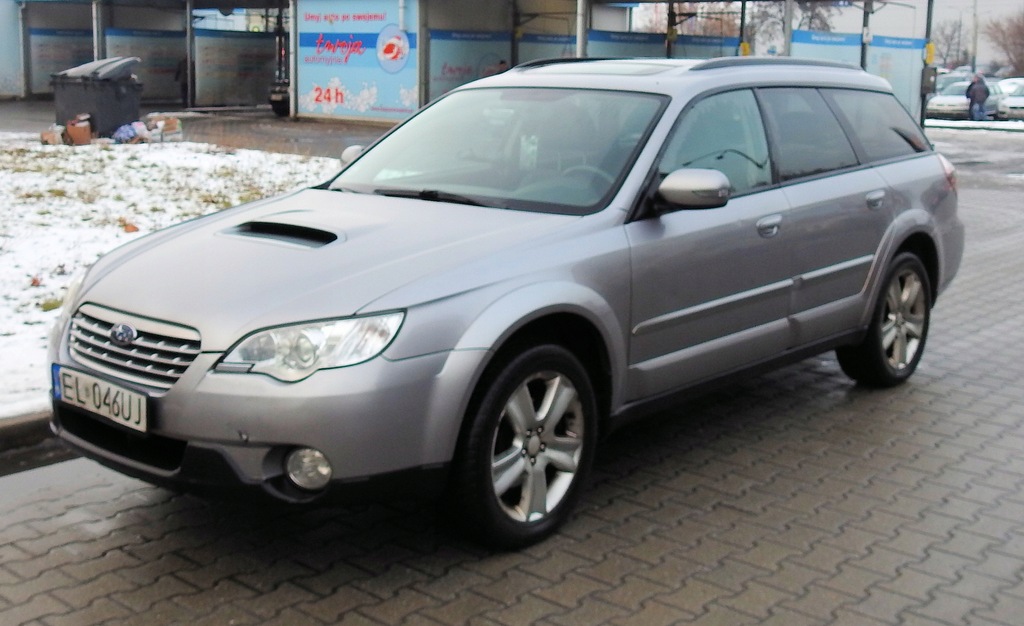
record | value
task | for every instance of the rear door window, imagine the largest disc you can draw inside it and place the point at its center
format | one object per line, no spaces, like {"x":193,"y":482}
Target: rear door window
{"x":881,"y":128}
{"x":808,"y":138}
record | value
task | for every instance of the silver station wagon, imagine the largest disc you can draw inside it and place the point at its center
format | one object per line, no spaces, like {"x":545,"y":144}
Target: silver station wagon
{"x":514,"y":271}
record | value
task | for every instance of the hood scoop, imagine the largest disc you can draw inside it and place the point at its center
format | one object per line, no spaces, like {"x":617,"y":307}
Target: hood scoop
{"x":294,"y":234}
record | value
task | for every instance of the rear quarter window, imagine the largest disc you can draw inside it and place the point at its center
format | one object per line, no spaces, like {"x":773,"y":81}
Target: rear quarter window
{"x":880,"y":127}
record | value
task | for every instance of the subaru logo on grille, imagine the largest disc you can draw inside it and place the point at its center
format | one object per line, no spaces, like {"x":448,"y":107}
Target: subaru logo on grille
{"x":123,"y":334}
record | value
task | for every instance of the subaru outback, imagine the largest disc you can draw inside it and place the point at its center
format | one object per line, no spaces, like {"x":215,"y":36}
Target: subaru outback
{"x":518,"y":268}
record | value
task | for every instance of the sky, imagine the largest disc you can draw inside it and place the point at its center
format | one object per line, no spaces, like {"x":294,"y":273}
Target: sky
{"x":950,"y":10}
{"x":906,"y":18}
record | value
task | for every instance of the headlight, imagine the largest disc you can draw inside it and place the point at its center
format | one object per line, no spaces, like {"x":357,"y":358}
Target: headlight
{"x":291,"y":353}
{"x":68,"y":303}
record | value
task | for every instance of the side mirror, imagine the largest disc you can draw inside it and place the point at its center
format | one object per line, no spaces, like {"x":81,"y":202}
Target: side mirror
{"x":695,"y":189}
{"x":350,"y":154}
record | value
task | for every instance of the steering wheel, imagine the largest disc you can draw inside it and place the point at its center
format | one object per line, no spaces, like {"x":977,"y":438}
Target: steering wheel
{"x":590,"y":169}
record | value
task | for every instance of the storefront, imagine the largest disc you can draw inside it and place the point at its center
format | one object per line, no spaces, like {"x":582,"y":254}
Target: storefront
{"x":355,"y":59}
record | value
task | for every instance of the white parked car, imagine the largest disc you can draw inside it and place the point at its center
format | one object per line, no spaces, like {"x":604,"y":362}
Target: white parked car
{"x":951,"y":103}
{"x":1009,"y":85}
{"x":1012,"y":106}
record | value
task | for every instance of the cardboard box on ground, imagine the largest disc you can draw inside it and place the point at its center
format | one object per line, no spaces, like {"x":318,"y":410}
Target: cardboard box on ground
{"x":163,"y":127}
{"x":78,"y":131}
{"x":158,"y":127}
{"x":54,"y":136}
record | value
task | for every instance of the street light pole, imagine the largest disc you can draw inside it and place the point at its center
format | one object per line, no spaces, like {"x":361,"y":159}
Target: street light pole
{"x":865,"y":35}
{"x":929,"y":55}
{"x":974,"y":40}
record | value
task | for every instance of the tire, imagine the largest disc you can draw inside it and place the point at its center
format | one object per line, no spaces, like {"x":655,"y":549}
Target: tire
{"x":896,"y":337}
{"x":528,"y":449}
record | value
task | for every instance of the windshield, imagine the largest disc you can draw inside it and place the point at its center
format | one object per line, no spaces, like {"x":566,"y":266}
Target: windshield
{"x":944,"y":80}
{"x":550,"y":150}
{"x":956,"y":89}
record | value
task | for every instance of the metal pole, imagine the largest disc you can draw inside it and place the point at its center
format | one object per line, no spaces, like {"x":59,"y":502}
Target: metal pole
{"x":25,"y":51}
{"x":293,"y":59}
{"x":865,"y":35}
{"x":516,"y":33}
{"x":928,"y":21}
{"x":744,"y":46}
{"x":424,"y":49}
{"x":581,"y":27}
{"x":670,"y":29}
{"x":190,"y":60}
{"x":929,"y":46}
{"x":974,"y":40}
{"x":787,"y":29}
{"x":98,"y":49}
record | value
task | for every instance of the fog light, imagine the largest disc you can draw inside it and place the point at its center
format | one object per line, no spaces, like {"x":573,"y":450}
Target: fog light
{"x":308,"y":468}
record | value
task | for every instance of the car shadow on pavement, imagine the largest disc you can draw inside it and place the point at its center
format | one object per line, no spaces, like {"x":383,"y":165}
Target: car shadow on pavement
{"x":706,"y":449}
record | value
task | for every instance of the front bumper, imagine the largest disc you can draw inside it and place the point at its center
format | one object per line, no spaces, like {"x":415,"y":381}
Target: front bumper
{"x":387,"y":427}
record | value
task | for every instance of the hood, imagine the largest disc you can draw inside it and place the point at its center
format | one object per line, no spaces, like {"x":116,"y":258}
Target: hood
{"x":315,"y":254}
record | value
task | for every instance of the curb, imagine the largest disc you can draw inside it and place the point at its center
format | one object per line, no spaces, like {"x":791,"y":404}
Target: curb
{"x":24,"y":431}
{"x":1001,"y":126}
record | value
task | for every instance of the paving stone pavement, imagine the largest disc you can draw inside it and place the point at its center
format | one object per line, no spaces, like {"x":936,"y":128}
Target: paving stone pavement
{"x":792,"y":498}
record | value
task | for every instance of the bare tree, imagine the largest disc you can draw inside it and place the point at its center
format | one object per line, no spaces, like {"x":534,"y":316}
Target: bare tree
{"x":692,"y":18}
{"x":722,"y":18}
{"x":1007,"y":34}
{"x":765,"y":21}
{"x":949,"y":39}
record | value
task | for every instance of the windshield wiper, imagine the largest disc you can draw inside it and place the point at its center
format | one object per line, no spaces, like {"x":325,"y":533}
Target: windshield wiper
{"x":432,"y":195}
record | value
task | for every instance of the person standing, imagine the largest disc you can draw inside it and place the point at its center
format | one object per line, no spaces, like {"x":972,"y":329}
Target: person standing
{"x":977,"y":93}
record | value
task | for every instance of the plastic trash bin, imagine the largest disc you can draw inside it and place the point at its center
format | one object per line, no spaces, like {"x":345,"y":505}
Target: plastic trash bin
{"x":106,"y":89}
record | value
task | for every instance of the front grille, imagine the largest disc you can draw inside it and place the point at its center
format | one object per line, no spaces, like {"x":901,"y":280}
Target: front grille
{"x":157,"y":358}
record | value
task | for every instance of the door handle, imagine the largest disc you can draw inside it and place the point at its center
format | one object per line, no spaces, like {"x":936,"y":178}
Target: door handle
{"x":769,"y":226}
{"x":875,"y":199}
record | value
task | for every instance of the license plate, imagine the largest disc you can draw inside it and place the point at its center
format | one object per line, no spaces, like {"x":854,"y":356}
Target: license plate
{"x":98,"y":396}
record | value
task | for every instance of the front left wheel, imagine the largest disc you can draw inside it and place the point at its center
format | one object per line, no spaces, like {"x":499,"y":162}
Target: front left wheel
{"x":528,"y":449}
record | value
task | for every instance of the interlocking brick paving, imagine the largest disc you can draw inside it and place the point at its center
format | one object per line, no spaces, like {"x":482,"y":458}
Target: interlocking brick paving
{"x":790,"y":498}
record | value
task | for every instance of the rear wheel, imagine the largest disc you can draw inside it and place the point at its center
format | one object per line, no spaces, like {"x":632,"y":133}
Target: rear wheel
{"x":895,"y":340}
{"x":528,"y":449}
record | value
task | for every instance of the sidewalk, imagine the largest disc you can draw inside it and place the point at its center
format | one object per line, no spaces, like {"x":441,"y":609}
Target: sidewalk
{"x":237,"y":127}
{"x":794,"y":498}
{"x":1012,"y":126}
{"x":23,"y":431}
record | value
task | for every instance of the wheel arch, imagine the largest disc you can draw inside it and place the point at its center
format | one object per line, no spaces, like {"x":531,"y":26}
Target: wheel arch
{"x":582,"y":323}
{"x":573,"y":332}
{"x":923,"y":247}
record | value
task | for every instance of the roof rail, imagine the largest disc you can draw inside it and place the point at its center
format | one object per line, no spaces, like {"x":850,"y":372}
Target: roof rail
{"x":746,"y":61}
{"x":557,"y":60}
